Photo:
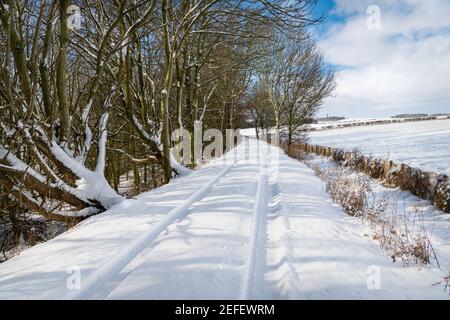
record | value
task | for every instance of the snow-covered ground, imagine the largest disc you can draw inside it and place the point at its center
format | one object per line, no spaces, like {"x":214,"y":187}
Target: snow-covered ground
{"x":254,"y":224}
{"x":421,"y":144}
{"x":326,"y":125}
{"x":336,"y":124}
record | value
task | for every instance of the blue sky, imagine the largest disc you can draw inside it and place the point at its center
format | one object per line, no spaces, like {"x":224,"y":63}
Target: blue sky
{"x":324,"y":8}
{"x":400,"y":64}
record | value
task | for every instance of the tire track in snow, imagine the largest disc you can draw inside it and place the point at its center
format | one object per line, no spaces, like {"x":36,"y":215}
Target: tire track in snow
{"x":289,"y":280}
{"x":254,"y":267}
{"x":272,"y":273}
{"x":112,"y":267}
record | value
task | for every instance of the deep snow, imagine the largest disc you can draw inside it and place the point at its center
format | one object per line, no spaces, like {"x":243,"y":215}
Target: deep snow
{"x":253,"y":224}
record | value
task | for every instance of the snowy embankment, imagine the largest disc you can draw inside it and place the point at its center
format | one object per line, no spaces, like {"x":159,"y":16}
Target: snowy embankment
{"x":422,"y":144}
{"x":254,"y":224}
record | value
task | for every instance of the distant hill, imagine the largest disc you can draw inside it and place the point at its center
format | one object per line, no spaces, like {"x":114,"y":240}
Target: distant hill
{"x":410,"y":115}
{"x":440,"y":114}
{"x":330,"y":119}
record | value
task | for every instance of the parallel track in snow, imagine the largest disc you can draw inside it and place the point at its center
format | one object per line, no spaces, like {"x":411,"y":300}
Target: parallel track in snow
{"x":257,"y":231}
{"x":255,"y":262}
{"x":113,"y":266}
{"x":285,"y":232}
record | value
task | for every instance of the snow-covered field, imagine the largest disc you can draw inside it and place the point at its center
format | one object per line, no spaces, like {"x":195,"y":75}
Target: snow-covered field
{"x":254,"y":224}
{"x":336,"y":124}
{"x":421,"y":144}
{"x":326,"y":125}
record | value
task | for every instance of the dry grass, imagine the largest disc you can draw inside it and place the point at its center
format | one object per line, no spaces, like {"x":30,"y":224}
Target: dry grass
{"x":20,"y":229}
{"x":294,"y":151}
{"x":400,"y":232}
{"x":445,"y":282}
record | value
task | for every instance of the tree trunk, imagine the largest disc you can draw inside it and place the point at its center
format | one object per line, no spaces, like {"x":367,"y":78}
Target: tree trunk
{"x":61,"y":76}
{"x":165,"y":134}
{"x":277,"y":120}
{"x":289,"y":142}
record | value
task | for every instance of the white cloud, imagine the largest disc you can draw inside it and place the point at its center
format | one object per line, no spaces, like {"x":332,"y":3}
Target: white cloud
{"x":402,"y":67}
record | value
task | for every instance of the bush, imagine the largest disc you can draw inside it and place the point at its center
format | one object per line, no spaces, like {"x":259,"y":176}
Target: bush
{"x":20,"y":229}
{"x":400,"y":233}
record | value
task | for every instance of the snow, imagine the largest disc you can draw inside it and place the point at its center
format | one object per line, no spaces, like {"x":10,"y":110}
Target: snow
{"x":119,"y":261}
{"x":335,"y":124}
{"x":326,"y":125}
{"x":92,"y":184}
{"x":144,"y":132}
{"x":259,"y":213}
{"x":87,"y":131}
{"x":421,"y":144}
{"x":95,"y":186}
{"x":412,"y":211}
{"x":180,"y":169}
{"x":101,"y":158}
{"x":19,"y":165}
{"x":223,"y":232}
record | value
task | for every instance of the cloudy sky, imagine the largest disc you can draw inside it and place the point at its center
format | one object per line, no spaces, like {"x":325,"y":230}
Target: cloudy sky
{"x":391,"y":56}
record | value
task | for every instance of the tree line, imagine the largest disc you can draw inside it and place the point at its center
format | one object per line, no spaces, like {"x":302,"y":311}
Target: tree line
{"x":91,"y":90}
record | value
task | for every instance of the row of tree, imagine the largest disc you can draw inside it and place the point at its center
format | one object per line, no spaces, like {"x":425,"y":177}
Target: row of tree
{"x":92,"y":89}
{"x":292,"y":83}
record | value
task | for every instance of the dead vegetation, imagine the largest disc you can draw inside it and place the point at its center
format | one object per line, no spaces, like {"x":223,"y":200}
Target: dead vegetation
{"x":20,"y":229}
{"x":426,"y":185}
{"x":399,"y":230}
{"x":139,"y":179}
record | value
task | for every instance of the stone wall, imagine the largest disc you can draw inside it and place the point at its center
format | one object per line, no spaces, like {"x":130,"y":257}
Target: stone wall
{"x":339,"y":125}
{"x":424,"y":184}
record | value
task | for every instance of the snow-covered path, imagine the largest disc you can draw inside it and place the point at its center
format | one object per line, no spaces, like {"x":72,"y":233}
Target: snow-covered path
{"x":254,"y":224}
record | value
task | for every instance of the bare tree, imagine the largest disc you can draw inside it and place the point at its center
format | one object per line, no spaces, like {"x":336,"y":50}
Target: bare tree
{"x":79,"y":104}
{"x":296,"y":81}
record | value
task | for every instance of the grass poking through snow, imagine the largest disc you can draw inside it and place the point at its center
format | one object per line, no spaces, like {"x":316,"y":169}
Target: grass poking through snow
{"x":400,"y":231}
